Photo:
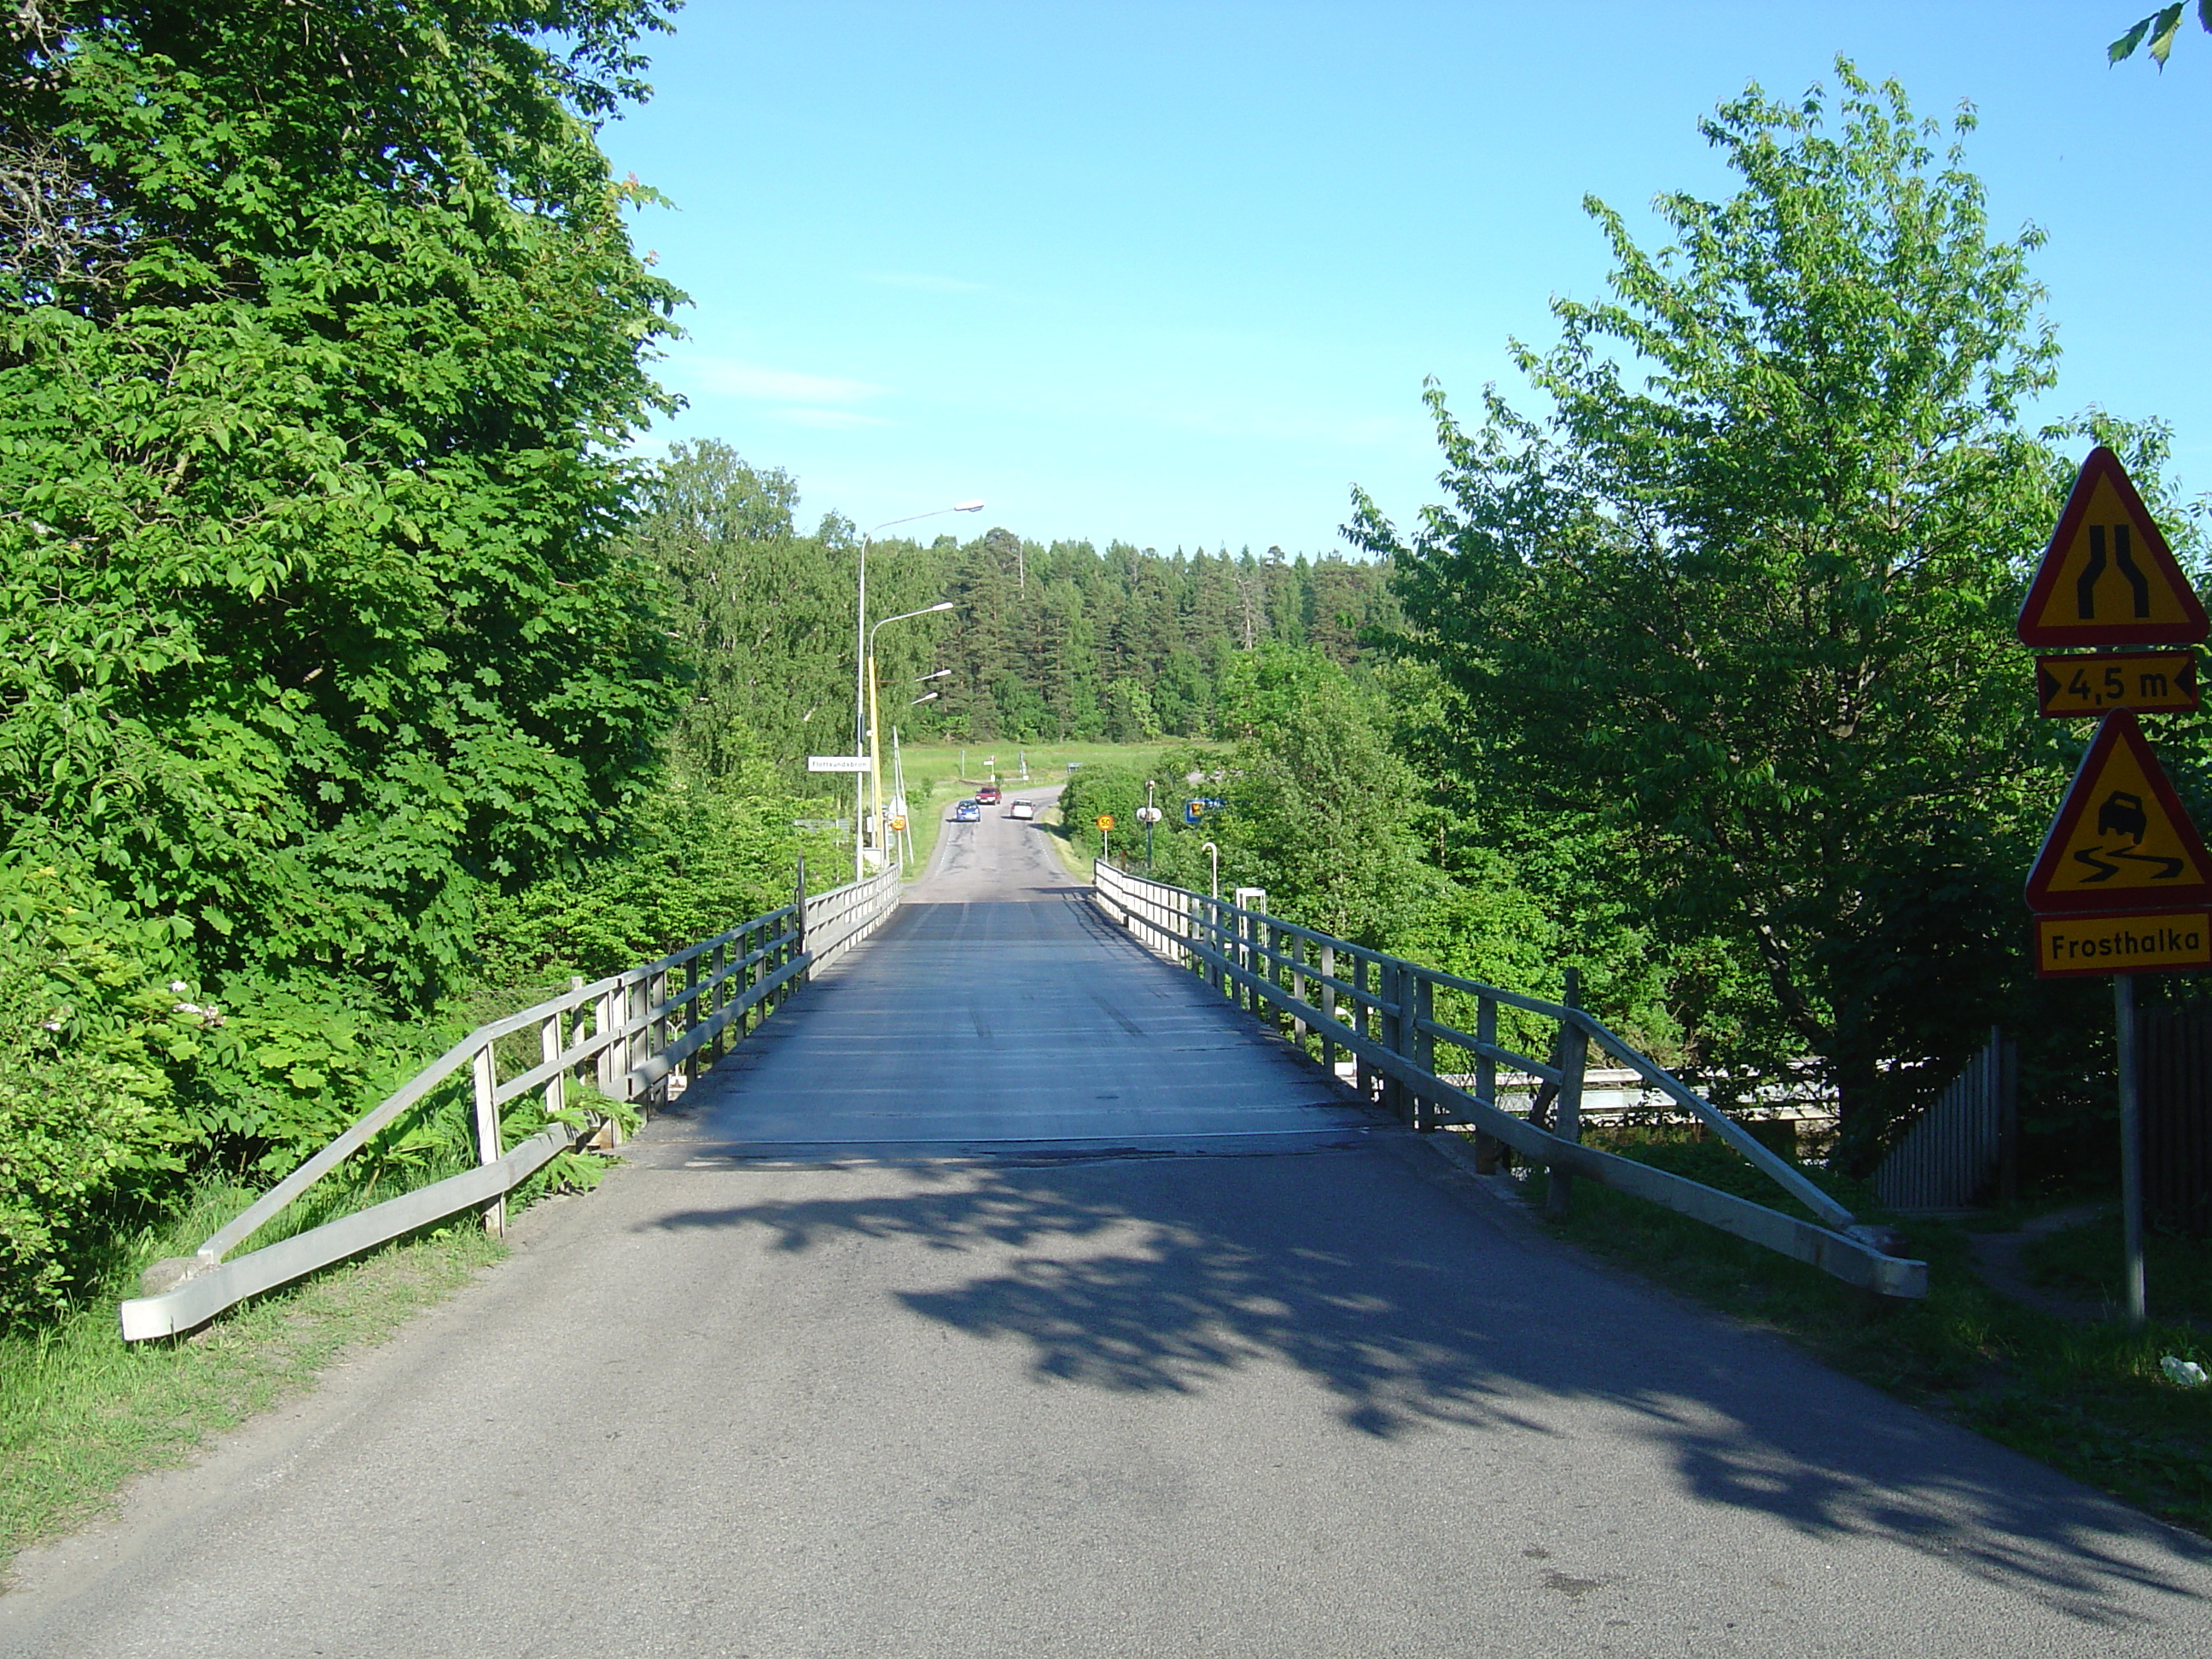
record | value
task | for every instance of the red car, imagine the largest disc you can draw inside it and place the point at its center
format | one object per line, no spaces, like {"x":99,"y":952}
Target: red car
{"x":988,"y":795}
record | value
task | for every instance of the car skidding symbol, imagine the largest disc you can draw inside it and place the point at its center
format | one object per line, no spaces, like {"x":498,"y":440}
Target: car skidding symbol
{"x":2121,"y":813}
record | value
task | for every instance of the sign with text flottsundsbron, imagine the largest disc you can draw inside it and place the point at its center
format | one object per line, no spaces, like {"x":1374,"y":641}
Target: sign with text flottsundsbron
{"x":2108,"y":577}
{"x":2097,"y":682}
{"x":2138,"y":942}
{"x":836,"y":762}
{"x":2121,"y":840}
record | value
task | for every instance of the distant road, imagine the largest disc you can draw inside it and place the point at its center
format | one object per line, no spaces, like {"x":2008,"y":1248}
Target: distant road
{"x":1011,"y":1295}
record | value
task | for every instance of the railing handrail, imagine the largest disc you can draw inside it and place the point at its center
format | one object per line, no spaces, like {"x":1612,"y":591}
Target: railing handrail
{"x":1178,"y":923}
{"x":628,"y":1044}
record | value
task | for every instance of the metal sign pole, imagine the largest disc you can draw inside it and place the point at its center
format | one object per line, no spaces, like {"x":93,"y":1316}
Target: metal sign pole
{"x":2131,"y":1209}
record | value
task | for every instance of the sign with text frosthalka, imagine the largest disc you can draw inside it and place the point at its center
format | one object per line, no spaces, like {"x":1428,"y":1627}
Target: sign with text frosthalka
{"x":2108,"y":577}
{"x":2123,"y":883}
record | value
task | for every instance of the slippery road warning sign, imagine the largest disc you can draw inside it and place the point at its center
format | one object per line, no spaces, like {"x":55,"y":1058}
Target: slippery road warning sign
{"x":2108,"y":577}
{"x":2121,"y":839}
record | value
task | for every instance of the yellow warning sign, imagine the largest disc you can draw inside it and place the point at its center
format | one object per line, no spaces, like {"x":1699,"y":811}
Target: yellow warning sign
{"x":2142,"y":942}
{"x":2108,"y":577}
{"x":2121,"y":840}
{"x":1104,"y":820}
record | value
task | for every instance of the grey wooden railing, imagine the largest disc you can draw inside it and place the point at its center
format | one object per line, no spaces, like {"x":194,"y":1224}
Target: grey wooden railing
{"x":1382,"y":1011}
{"x":622,"y":1038}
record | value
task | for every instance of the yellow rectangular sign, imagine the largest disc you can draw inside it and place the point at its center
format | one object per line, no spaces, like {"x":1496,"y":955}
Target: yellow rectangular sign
{"x":2148,"y":681}
{"x":2147,"y":942}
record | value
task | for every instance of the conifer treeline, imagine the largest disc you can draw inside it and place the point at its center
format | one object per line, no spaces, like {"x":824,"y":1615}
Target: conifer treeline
{"x":1056,"y":641}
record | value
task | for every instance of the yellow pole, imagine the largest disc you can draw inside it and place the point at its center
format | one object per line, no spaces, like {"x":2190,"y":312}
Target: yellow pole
{"x":876,"y":762}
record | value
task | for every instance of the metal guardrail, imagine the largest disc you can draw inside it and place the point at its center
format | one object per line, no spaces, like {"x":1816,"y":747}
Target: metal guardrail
{"x":628,"y":1034}
{"x":1381,"y":1010}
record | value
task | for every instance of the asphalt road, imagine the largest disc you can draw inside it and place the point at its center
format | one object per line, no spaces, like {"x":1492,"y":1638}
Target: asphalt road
{"x":871,"y":1353}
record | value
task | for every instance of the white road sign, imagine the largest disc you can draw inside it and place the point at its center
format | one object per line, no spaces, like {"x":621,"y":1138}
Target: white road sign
{"x":836,"y":762}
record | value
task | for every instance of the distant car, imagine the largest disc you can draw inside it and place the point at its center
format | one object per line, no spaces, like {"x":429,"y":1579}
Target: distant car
{"x":988,"y":794}
{"x":1023,"y":809}
{"x":967,"y":812}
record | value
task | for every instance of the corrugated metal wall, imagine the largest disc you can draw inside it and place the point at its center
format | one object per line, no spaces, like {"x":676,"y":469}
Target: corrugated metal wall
{"x":1951,"y":1157}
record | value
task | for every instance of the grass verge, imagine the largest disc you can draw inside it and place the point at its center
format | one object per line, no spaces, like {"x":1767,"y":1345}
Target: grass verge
{"x":2090,"y":1400}
{"x":81,"y":1412}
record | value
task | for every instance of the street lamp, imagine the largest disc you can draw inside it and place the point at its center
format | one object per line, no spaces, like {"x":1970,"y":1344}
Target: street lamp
{"x":1208,"y":847}
{"x":860,"y":662}
{"x":875,"y":760}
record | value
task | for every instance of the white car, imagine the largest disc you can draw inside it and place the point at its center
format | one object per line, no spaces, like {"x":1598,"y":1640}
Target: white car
{"x":1021,"y":809}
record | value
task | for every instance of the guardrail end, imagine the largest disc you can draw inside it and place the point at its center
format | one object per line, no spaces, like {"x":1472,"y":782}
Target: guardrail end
{"x":172,"y":1271}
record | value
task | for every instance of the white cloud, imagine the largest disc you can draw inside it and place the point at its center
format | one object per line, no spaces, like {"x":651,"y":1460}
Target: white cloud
{"x":833,"y":420}
{"x":733,"y":379}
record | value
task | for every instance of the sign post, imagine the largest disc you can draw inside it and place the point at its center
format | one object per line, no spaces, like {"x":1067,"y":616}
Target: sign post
{"x":2123,"y":884}
{"x":1105,"y":823}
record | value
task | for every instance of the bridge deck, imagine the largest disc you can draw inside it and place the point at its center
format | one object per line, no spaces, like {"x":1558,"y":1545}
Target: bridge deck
{"x":769,"y":1394}
{"x":969,"y":1027}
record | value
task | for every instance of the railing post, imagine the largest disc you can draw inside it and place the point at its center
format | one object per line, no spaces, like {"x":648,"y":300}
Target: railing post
{"x":1424,"y":1045}
{"x":1486,"y":1144}
{"x":1298,"y":987}
{"x":1362,"y":1074}
{"x":1327,"y":965}
{"x":1396,"y":1095}
{"x":603,"y":1028}
{"x":484,"y":1070}
{"x":549,"y":1051}
{"x":1574,"y":1048}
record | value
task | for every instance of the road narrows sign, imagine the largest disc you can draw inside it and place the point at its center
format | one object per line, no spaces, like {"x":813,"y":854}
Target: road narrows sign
{"x":2121,"y":840}
{"x":2108,"y":577}
{"x":2093,"y":682}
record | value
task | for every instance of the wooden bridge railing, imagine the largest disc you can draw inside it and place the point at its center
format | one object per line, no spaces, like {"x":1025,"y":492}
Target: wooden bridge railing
{"x":620,"y":1038}
{"x":1383,"y":1011}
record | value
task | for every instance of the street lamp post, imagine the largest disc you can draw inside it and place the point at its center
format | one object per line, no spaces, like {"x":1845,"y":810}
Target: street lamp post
{"x":860,"y":667}
{"x":1209,"y":847}
{"x":875,"y":757}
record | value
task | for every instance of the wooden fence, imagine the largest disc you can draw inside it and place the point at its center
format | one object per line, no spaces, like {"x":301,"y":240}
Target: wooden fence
{"x":620,"y":1038}
{"x":2176,"y":1118}
{"x":1393,"y":1016}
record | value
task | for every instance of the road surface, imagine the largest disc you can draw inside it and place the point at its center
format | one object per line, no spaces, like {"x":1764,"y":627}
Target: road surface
{"x":1009,"y":1296}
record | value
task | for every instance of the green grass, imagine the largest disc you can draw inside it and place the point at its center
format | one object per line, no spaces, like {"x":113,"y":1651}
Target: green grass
{"x":937,"y":775}
{"x":81,"y":1412}
{"x":2088,"y":1400}
{"x":2084,"y":1262}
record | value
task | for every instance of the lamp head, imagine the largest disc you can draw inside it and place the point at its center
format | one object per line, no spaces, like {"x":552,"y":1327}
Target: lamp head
{"x":968,"y":506}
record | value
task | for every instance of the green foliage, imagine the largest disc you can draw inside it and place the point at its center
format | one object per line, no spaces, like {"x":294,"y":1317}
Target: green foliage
{"x":694,"y":862}
{"x":1748,"y":611}
{"x":2161,"y":26}
{"x":307,"y":401}
{"x":90,"y":1029}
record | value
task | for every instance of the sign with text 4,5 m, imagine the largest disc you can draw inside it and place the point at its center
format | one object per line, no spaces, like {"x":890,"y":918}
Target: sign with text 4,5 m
{"x":2096,"y":682}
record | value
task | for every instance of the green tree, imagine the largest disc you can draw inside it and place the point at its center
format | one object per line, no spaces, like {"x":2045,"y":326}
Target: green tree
{"x":1748,"y":602}
{"x":314,"y":367}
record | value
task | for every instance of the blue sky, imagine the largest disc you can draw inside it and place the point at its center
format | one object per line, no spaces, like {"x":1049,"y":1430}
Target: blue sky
{"x":1175,"y":273}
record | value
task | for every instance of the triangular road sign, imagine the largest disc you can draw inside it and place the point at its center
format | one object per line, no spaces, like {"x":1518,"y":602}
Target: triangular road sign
{"x":2108,"y":577}
{"x":2121,"y":839}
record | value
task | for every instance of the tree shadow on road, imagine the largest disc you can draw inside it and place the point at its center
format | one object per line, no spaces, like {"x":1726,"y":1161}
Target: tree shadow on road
{"x":1415,"y":1314}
